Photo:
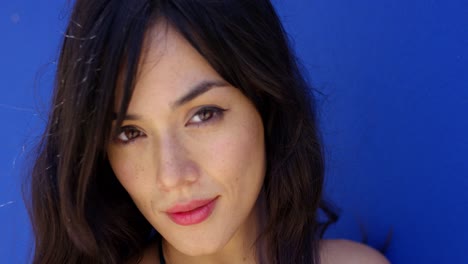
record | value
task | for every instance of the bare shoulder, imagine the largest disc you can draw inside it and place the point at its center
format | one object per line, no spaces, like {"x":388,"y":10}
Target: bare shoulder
{"x":150,"y":256}
{"x":341,"y":251}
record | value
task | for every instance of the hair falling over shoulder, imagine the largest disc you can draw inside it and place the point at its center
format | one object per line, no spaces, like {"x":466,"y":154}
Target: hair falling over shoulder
{"x":79,"y":211}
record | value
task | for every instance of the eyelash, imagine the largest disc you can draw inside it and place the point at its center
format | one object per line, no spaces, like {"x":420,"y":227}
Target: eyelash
{"x":128,"y":139}
{"x":214,"y":114}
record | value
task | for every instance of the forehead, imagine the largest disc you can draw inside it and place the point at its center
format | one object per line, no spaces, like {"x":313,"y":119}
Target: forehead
{"x":168,"y":65}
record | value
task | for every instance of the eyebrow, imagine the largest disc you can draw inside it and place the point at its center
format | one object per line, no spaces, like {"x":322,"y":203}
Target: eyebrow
{"x":193,"y":93}
{"x":198,"y":90}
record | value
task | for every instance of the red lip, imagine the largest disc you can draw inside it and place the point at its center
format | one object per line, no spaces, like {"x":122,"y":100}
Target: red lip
{"x":193,"y":212}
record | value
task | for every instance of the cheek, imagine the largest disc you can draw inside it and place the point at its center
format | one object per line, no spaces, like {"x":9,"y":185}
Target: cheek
{"x":129,"y":171}
{"x":132,"y":173}
{"x":238,"y":155}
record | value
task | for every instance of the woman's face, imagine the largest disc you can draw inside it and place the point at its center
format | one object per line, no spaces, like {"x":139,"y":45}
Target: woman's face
{"x":191,"y":150}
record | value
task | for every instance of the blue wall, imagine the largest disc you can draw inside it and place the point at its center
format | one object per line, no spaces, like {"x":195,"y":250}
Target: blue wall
{"x":395,"y":118}
{"x":394,"y":78}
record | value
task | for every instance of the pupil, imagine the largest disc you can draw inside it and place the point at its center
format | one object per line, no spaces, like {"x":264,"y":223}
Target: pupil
{"x":206,"y":114}
{"x":131,"y":133}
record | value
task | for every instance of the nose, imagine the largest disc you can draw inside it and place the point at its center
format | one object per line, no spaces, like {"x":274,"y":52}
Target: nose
{"x":175,"y":168}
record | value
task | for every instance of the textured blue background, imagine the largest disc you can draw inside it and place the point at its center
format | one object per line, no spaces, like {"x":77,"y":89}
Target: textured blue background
{"x":394,"y":78}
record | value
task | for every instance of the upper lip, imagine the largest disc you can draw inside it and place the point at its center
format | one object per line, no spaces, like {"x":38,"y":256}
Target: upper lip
{"x":189,"y":206}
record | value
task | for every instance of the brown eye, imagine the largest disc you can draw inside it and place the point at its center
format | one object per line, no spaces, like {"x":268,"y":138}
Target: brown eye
{"x":206,"y":114}
{"x":128,"y":134}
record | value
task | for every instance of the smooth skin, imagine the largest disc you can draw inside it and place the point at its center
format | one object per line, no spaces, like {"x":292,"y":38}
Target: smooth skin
{"x":190,"y":135}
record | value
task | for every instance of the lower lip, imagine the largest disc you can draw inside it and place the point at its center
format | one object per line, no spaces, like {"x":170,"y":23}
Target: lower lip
{"x":194,"y":216}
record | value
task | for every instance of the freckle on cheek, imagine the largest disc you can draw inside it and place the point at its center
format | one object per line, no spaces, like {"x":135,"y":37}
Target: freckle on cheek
{"x":138,"y":169}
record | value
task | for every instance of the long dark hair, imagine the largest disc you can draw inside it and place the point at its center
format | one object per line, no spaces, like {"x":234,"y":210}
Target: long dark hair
{"x":81,"y":214}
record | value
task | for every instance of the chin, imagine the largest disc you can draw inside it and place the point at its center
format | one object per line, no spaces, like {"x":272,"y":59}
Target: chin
{"x":201,"y":248}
